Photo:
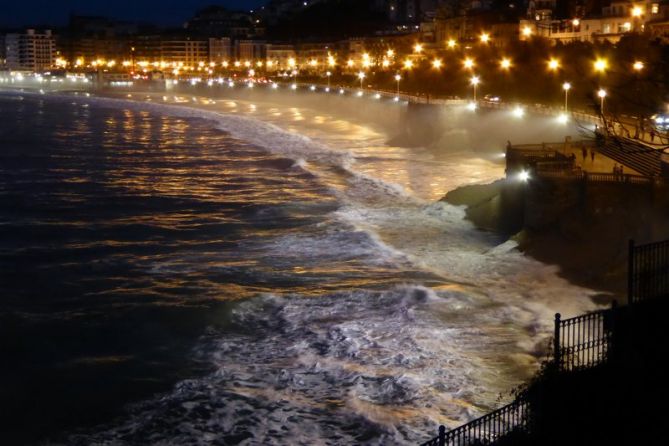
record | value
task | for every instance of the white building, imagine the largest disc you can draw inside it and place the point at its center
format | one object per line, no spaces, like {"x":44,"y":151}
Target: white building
{"x":30,"y":51}
{"x":185,"y":51}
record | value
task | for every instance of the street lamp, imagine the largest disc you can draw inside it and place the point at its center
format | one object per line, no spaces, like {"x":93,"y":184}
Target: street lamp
{"x":600,"y":65}
{"x":436,"y":64}
{"x":398,"y":78}
{"x":638,"y":65}
{"x":475,"y":80}
{"x":602,"y":94}
{"x":505,"y":63}
{"x":566,"y":87}
{"x":468,"y":63}
{"x":328,"y":74}
{"x":361,"y":76}
{"x":553,"y":64}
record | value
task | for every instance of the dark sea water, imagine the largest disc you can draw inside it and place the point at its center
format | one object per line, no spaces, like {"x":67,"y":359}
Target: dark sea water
{"x":236,"y":275}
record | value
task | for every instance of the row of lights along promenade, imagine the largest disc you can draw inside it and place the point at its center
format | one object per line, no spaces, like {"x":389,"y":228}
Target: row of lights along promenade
{"x":461,"y":70}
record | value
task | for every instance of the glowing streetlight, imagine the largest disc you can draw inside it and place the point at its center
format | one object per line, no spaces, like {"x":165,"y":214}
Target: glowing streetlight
{"x":390,"y":53}
{"x":436,"y":64}
{"x":566,"y":87}
{"x":408,"y":64}
{"x":328,"y":74}
{"x":398,"y":78}
{"x":468,"y":63}
{"x":638,"y":65}
{"x":385,"y":63}
{"x":600,"y":65}
{"x":418,"y":48}
{"x":602,"y":94}
{"x":518,"y":112}
{"x":527,"y":31}
{"x":484,"y":37}
{"x":553,"y":64}
{"x":451,"y":43}
{"x":361,"y":76}
{"x":637,"y":11}
{"x":291,"y":63}
{"x":475,"y":80}
{"x":350,"y":63}
{"x":505,"y":63}
{"x":331,"y":61}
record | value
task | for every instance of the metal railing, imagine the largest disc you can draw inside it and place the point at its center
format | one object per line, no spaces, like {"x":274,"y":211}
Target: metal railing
{"x":582,"y":341}
{"x":648,"y":271}
{"x":487,"y":429}
{"x":579,"y":175}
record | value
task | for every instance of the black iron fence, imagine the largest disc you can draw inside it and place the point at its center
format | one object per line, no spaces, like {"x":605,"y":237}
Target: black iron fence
{"x":648,"y":271}
{"x":489,"y":428}
{"x":582,"y":341}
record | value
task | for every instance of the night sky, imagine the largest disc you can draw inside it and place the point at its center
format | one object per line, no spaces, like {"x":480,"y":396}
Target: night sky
{"x":164,"y":12}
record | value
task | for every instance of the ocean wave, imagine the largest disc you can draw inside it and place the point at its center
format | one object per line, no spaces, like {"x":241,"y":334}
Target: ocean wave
{"x":350,"y":368}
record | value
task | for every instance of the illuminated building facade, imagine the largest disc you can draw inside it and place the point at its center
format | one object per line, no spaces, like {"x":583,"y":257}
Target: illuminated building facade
{"x":614,"y":20}
{"x":30,"y":51}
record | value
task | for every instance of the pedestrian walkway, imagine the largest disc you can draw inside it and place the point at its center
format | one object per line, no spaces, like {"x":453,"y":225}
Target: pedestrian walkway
{"x":601,"y":162}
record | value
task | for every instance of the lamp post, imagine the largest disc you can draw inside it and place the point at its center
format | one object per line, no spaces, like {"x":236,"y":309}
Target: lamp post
{"x":566,"y":87}
{"x":475,"y":80}
{"x":361,"y":75}
{"x":328,"y":74}
{"x":398,"y":78}
{"x":602,"y":94}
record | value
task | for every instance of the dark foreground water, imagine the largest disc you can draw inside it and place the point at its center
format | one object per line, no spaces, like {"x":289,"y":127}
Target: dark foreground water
{"x":190,"y":276}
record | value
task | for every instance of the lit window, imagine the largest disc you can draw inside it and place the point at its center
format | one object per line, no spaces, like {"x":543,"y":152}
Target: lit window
{"x":655,"y":8}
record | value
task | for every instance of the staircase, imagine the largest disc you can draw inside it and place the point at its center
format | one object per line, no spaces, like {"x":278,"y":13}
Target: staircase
{"x":632,"y":154}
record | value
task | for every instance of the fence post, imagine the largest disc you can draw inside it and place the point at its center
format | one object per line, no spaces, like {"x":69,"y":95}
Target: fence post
{"x":630,"y":272}
{"x":442,"y":435}
{"x":611,"y":354}
{"x":556,"y":341}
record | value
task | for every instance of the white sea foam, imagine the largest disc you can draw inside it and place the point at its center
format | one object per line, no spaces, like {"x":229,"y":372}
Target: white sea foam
{"x":356,"y":364}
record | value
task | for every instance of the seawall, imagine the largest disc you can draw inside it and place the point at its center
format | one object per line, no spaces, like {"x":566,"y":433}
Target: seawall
{"x":581,"y":225}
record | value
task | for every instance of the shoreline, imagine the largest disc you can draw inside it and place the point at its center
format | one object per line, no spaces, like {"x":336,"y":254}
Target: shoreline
{"x":575,"y":247}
